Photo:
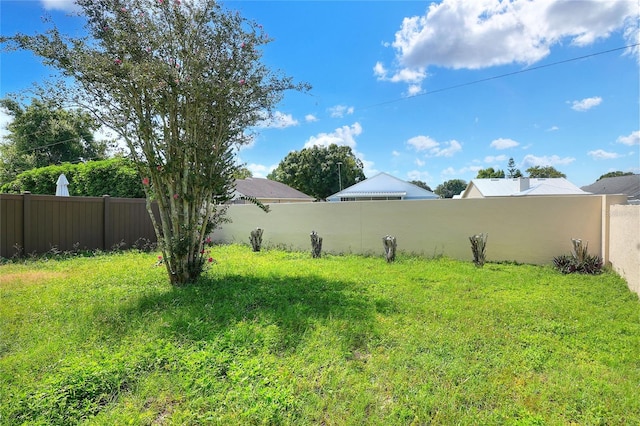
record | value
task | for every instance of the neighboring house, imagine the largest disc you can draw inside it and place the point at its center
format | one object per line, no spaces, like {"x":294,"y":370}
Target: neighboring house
{"x":382,"y":187}
{"x":628,"y":185}
{"x":267,"y":191}
{"x":519,"y":187}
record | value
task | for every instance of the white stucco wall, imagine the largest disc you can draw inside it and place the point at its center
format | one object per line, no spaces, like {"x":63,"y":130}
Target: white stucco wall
{"x":523,"y":229}
{"x":624,"y":243}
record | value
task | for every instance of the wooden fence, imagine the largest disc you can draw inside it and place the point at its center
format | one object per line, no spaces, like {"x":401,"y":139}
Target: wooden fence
{"x":39,"y":223}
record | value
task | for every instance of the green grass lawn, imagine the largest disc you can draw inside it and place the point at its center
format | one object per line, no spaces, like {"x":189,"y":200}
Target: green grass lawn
{"x":280,"y":338}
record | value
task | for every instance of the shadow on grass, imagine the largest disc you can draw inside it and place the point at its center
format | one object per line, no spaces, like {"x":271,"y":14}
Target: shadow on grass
{"x":295,"y":305}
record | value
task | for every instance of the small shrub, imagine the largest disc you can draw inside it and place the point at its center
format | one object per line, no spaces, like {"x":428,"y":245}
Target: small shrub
{"x":316,"y":245}
{"x":478,"y":247}
{"x":579,"y":260}
{"x":255,"y":237}
{"x":390,"y":244}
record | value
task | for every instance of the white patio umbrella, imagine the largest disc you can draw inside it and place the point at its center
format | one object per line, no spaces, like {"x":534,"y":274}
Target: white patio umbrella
{"x":62,"y":189}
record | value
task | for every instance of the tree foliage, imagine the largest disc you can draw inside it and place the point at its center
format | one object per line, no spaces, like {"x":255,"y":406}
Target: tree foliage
{"x":319,"y":171}
{"x":544,"y":172}
{"x":512,"y":171}
{"x":242,"y":172}
{"x":449,"y":188}
{"x":421,"y":184}
{"x":117,"y":177}
{"x":614,"y":174}
{"x":42,"y":134}
{"x":180,"y":83}
{"x":489,"y":173}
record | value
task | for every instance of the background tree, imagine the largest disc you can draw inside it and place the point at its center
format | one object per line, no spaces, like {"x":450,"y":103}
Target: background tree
{"x":614,"y":174}
{"x":450,"y":188}
{"x":512,"y":171}
{"x":489,"y":173}
{"x":242,"y":172}
{"x":421,"y":184}
{"x":180,"y":83}
{"x":314,"y":170}
{"x":42,"y":134}
{"x":544,"y":172}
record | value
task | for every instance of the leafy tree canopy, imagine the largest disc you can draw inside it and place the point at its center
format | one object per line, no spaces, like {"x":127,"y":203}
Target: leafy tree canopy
{"x":450,"y":188}
{"x":319,"y":171}
{"x":43,"y":133}
{"x":489,"y":173}
{"x":421,"y":184}
{"x":544,"y":172}
{"x":180,"y":83}
{"x":242,"y":172}
{"x":614,"y":174}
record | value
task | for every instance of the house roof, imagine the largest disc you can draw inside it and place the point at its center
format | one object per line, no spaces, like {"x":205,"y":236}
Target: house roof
{"x":629,"y":185}
{"x":383,"y":185}
{"x":261,"y":188}
{"x":523,"y":186}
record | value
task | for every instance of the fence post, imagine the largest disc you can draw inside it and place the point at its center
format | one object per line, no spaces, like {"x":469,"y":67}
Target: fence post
{"x":26,"y":222}
{"x":106,"y":223}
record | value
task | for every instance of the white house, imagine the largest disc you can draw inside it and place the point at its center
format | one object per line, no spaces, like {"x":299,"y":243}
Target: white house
{"x":518,"y":187}
{"x":382,"y":187}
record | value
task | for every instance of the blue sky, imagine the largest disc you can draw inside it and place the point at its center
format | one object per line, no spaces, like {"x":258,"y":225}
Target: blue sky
{"x":401,"y":82}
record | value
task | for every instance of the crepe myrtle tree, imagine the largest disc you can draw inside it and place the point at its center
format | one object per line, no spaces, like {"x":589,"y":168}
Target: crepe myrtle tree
{"x":181,"y":83}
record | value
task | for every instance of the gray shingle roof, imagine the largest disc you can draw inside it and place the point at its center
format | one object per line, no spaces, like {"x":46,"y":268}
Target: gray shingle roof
{"x":629,"y":185}
{"x":266,"y":188}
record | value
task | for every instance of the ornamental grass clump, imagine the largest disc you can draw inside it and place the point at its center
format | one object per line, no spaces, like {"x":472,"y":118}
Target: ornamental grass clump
{"x":579,"y":260}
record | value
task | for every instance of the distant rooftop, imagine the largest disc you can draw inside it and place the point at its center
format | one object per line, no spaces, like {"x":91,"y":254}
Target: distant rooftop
{"x":628,"y":185}
{"x":262,"y":188}
{"x":505,"y":187}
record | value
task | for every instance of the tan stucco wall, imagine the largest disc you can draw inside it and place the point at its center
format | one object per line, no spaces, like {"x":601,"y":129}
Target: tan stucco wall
{"x":624,"y":243}
{"x":522,"y":229}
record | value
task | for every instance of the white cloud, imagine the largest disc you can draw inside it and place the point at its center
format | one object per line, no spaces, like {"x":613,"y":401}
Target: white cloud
{"x":554,"y":160}
{"x":421,"y":143}
{"x":451,"y":148}
{"x":368,"y":167}
{"x":340,"y":111}
{"x":310,"y":118}
{"x":279,"y":120}
{"x":433,"y":147}
{"x":419,"y":175}
{"x":344,"y":135}
{"x":553,"y":129}
{"x":419,"y":162}
{"x":260,"y":170}
{"x":380,"y":71}
{"x":414,"y":89}
{"x":503,"y":143}
{"x":464,"y":34}
{"x":456,"y":173}
{"x":395,"y":153}
{"x":64,"y":5}
{"x":495,"y":158}
{"x":631,"y":139}
{"x":586,"y":103}
{"x":600,"y":154}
